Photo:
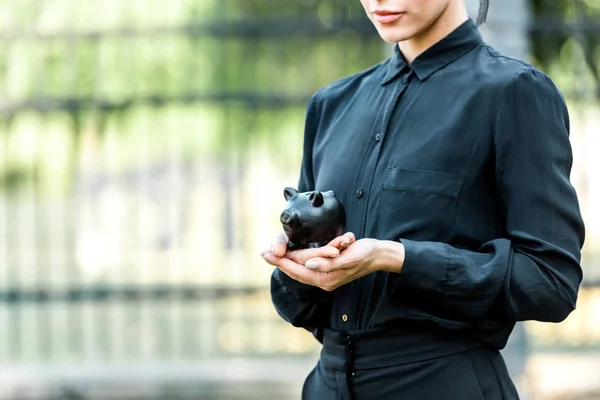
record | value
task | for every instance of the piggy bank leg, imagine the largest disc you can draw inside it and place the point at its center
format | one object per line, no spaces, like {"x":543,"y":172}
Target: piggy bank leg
{"x":314,"y":245}
{"x":292,"y":246}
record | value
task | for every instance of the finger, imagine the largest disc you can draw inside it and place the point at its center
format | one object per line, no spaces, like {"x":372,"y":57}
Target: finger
{"x":350,"y":236}
{"x":313,"y":264}
{"x":301,"y":256}
{"x":322,"y":264}
{"x":270,"y":258}
{"x":342,"y":242}
{"x":298,"y":272}
{"x":290,"y":268}
{"x":279,"y":244}
{"x":348,"y":239}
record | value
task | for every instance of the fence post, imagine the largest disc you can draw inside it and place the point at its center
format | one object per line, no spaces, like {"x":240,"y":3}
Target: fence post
{"x":506,"y":28}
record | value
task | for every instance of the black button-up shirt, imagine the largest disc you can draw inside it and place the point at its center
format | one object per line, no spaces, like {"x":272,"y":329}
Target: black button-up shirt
{"x":463,"y":156}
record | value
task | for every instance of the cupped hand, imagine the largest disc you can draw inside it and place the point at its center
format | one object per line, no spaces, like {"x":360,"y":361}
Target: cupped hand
{"x":301,"y":256}
{"x":329,"y":273}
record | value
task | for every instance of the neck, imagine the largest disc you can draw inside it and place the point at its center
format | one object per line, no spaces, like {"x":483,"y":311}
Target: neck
{"x":452,"y":17}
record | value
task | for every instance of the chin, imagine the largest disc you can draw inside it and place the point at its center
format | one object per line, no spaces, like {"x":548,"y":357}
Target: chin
{"x":396,"y":34}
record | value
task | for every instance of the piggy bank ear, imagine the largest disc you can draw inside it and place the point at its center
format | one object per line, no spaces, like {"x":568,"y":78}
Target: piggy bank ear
{"x":316,"y":198}
{"x":289,"y":192}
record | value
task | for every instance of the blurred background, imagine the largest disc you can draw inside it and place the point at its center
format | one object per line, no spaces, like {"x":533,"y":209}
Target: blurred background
{"x":144,"y":146}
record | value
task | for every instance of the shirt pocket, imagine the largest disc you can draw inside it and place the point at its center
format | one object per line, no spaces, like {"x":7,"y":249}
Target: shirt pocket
{"x":419,"y":204}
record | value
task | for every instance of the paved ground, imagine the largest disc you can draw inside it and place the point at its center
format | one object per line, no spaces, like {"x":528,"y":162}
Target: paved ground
{"x":214,"y":380}
{"x":550,"y":377}
{"x":565,"y":376}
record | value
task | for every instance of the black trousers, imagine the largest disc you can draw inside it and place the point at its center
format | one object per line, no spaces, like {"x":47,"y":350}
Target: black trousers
{"x":388,"y":365}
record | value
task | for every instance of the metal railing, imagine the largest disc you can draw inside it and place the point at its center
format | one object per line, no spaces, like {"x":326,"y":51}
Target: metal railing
{"x":128,"y":216}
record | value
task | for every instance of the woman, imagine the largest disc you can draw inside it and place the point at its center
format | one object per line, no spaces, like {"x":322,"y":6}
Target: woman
{"x":453,"y":163}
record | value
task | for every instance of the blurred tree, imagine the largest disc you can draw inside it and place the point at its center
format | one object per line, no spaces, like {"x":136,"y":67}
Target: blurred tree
{"x":245,"y":67}
{"x":560,"y":21}
{"x":269,"y":56}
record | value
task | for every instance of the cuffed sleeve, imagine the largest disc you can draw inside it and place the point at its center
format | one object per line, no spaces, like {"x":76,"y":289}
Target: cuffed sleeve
{"x":534,"y":271}
{"x":419,"y":254}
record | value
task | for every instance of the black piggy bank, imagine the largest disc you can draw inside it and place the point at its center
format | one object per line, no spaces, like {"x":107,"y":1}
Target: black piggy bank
{"x":312,"y":219}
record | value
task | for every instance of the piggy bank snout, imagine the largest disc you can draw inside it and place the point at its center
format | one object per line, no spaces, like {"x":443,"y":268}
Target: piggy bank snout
{"x":290,"y":218}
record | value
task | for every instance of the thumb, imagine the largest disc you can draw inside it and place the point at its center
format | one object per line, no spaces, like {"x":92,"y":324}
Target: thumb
{"x":313,"y":264}
{"x":279,"y":244}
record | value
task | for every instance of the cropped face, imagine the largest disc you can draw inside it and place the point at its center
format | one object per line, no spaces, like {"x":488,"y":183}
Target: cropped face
{"x":400,"y":20}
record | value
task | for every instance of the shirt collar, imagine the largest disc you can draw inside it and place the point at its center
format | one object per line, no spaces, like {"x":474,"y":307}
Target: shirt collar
{"x":444,"y":52}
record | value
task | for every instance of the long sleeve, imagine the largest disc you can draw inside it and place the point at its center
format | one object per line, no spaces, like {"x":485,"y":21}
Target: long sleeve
{"x":299,"y":304}
{"x":533,"y":272}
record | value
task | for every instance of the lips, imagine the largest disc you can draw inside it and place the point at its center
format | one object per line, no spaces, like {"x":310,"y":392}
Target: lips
{"x":386,"y":16}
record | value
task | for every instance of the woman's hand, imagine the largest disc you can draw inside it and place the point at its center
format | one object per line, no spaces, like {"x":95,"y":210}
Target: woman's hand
{"x":328,"y":273}
{"x":301,"y":256}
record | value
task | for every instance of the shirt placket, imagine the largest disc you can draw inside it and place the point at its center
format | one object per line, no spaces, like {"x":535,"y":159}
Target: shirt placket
{"x":364,"y":184}
{"x":347,"y":302}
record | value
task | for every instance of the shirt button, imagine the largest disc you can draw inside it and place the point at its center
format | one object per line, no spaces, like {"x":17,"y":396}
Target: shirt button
{"x":377,"y":137}
{"x":359,"y":193}
{"x":345,"y":318}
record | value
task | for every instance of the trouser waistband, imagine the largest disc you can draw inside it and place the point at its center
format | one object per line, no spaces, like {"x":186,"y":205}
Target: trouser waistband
{"x":385,"y":347}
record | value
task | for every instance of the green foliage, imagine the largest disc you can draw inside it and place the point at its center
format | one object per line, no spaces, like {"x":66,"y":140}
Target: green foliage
{"x":163,"y":88}
{"x":152,"y":76}
{"x":580,"y":23}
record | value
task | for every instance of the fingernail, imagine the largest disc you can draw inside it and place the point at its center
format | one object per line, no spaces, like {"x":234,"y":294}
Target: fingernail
{"x":311,"y":264}
{"x":345,"y":243}
{"x":272,"y":248}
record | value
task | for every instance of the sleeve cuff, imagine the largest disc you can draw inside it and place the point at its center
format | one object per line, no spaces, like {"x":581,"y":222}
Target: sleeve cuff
{"x":425,"y":266}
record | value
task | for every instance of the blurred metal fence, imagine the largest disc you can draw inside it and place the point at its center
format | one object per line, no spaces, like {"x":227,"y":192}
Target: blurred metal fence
{"x":125,"y":156}
{"x":133,"y":138}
